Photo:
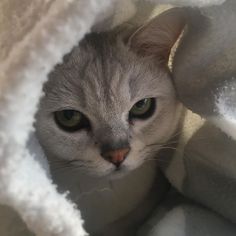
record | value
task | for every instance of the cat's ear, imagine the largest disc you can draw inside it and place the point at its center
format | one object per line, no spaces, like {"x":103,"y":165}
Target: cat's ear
{"x":158,"y":36}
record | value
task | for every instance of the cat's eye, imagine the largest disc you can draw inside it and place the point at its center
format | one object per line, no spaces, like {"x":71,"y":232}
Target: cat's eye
{"x":143,"y":109}
{"x":71,"y":120}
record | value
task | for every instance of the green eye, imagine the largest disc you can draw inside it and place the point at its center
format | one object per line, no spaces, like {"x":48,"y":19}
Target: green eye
{"x":143,"y":109}
{"x":71,"y":120}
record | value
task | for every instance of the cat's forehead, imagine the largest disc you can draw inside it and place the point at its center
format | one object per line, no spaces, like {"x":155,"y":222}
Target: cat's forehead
{"x":103,"y":71}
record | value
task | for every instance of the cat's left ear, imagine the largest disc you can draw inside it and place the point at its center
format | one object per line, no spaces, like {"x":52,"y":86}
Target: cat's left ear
{"x":158,"y":36}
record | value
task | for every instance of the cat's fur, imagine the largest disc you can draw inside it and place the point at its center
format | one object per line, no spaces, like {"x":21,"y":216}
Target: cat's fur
{"x":103,"y":78}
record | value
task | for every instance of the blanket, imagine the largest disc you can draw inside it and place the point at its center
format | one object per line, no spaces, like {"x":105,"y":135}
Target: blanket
{"x":203,"y":167}
{"x":34,"y":37}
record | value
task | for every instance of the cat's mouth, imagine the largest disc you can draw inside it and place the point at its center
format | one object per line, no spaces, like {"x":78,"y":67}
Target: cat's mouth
{"x":118,"y":172}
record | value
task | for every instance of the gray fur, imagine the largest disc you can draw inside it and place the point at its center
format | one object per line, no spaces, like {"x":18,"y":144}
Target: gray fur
{"x":103,"y":77}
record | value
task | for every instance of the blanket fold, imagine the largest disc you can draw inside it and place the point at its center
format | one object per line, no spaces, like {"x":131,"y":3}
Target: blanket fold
{"x":34,"y":37}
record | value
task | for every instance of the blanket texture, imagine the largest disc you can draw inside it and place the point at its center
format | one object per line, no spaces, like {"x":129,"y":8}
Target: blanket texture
{"x":34,"y":37}
{"x":203,"y":168}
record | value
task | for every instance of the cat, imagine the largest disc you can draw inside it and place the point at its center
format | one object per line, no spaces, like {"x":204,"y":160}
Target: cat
{"x":108,"y":109}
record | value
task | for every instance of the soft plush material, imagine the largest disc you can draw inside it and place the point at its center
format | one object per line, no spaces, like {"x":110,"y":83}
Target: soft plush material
{"x":205,"y":65}
{"x":203,"y":167}
{"x":34,"y":37}
{"x":204,"y":71}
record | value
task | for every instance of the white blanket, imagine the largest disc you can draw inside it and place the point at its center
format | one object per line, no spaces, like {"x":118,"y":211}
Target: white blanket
{"x":34,"y":37}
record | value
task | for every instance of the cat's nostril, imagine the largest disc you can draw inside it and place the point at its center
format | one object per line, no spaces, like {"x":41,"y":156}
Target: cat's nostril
{"x":116,"y":157}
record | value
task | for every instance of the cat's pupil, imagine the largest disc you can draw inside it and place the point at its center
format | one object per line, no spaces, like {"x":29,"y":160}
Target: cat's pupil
{"x":141,"y":103}
{"x":69,"y":114}
{"x":143,"y":109}
{"x":71,"y":120}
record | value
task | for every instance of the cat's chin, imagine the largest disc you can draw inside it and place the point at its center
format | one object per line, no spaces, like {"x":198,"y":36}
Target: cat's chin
{"x":119,"y":173}
{"x":112,"y":173}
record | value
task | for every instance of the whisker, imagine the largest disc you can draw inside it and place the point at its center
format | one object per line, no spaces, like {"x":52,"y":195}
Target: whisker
{"x":65,"y":167}
{"x":162,"y":144}
{"x":92,"y":191}
{"x":174,"y":142}
{"x":155,"y":152}
{"x":167,"y":147}
{"x":156,"y":160}
{"x":176,"y":134}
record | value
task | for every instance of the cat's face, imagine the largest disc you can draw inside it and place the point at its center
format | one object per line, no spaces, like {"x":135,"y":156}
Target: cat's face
{"x":106,"y":106}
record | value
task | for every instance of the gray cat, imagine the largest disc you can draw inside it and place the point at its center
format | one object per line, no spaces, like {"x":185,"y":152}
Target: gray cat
{"x":107,"y":111}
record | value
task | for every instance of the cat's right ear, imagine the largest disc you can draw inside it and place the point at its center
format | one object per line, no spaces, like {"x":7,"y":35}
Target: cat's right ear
{"x":157,"y":37}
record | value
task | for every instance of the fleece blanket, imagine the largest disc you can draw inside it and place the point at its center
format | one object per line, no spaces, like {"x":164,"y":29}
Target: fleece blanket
{"x":34,"y":37}
{"x":203,"y":167}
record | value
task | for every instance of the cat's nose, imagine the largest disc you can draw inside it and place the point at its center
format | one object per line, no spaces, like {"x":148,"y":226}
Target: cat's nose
{"x":117,"y":156}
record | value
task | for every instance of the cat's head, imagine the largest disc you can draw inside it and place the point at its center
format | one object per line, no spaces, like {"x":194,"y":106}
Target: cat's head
{"x":111,"y":104}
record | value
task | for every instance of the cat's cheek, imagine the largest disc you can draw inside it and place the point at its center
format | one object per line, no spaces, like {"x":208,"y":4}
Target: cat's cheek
{"x":136,"y":145}
{"x":103,"y":170}
{"x":97,"y":166}
{"x":138,"y":126}
{"x":132,"y":163}
{"x":134,"y":159}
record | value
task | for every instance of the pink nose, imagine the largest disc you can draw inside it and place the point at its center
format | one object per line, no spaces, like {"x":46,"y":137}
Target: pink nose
{"x":116,"y":156}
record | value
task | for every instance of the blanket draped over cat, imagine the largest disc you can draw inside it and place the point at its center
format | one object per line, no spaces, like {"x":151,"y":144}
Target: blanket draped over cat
{"x":34,"y":37}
